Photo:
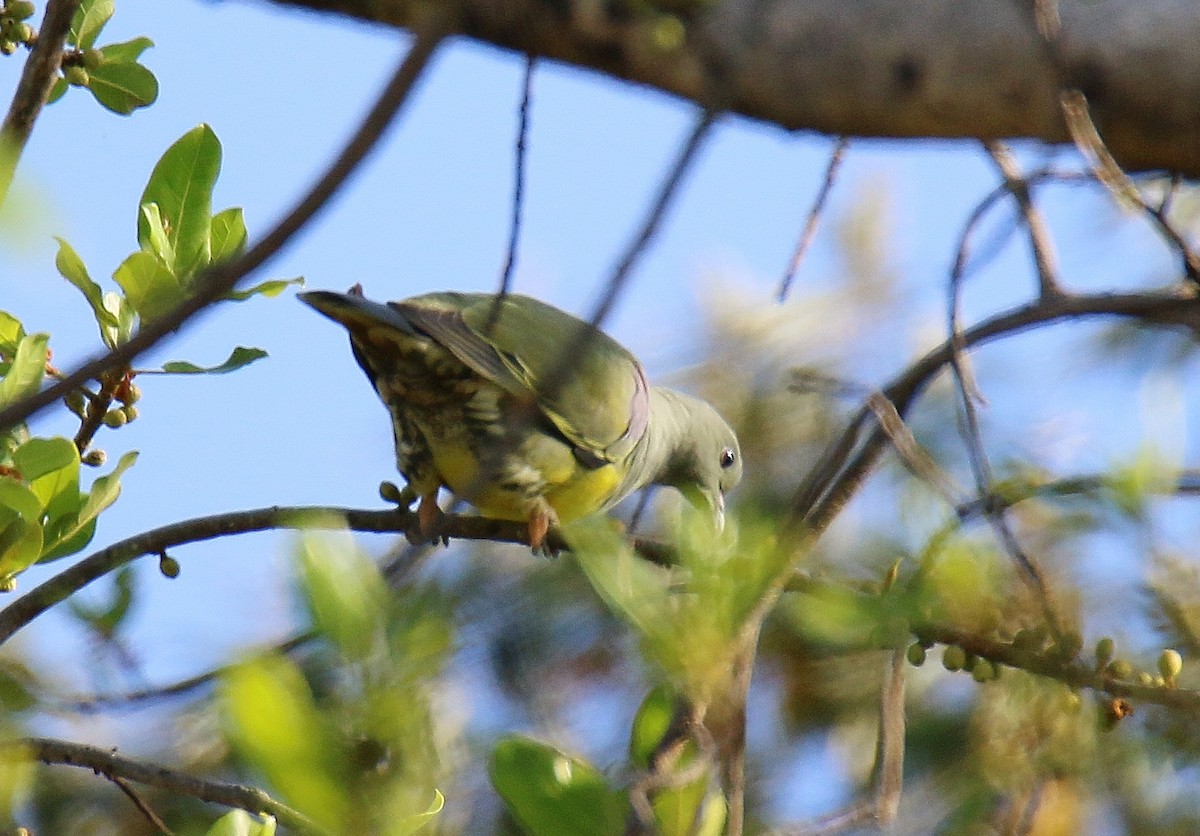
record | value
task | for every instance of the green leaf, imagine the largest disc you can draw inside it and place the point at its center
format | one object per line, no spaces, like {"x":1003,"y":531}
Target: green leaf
{"x":20,"y":545}
{"x":270,"y":288}
{"x":75,"y":533}
{"x":11,"y":332}
{"x":241,"y":823}
{"x":125,"y":316}
{"x":411,"y":824}
{"x":275,"y":725}
{"x":227,"y":238}
{"x":50,"y":466}
{"x":346,"y":593}
{"x":107,"y":617}
{"x":123,"y":86}
{"x":57,"y":90}
{"x":150,"y":287}
{"x":181,"y":185}
{"x":551,"y":793}
{"x":72,"y":268}
{"x":241,"y":356}
{"x":160,"y":245}
{"x":27,"y":369}
{"x":126,"y":51}
{"x":89,"y":19}
{"x":19,"y":501}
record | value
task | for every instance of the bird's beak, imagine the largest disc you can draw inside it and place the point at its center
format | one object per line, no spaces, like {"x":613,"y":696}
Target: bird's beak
{"x":713,"y":503}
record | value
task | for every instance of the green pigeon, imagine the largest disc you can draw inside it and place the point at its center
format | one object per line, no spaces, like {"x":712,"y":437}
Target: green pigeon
{"x":525,"y":411}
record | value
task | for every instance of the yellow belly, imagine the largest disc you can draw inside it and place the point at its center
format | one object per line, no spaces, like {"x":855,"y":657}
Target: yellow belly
{"x":573,"y":491}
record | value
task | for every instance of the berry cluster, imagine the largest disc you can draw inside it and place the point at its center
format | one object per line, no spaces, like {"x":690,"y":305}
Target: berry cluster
{"x":14,"y":30}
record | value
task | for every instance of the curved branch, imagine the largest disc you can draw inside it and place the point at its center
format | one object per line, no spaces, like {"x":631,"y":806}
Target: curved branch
{"x":215,"y":282}
{"x":388,"y":521}
{"x":850,"y":458}
{"x":882,"y":68}
{"x":34,"y":87}
{"x":116,"y":768}
{"x":39,"y":599}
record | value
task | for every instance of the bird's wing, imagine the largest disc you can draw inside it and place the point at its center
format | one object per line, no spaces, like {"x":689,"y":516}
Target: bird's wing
{"x":591,"y":388}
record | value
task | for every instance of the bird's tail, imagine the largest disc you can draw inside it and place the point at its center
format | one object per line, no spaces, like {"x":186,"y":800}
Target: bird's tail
{"x":354,"y":311}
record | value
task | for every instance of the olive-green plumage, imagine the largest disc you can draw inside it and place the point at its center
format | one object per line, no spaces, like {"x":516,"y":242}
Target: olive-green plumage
{"x":525,"y":411}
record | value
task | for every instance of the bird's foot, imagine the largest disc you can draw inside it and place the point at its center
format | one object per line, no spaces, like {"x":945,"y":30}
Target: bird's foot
{"x":541,"y":519}
{"x":429,"y":518}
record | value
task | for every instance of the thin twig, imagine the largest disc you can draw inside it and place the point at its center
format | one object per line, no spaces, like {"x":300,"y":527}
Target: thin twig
{"x":852,"y":456}
{"x":390,"y":521}
{"x":139,"y":802}
{"x":113,"y":766}
{"x":215,"y":282}
{"x":1039,"y":234}
{"x":37,"y":78}
{"x":183,"y":687}
{"x":809,"y":233}
{"x":654,"y":218}
{"x":888,"y":772}
{"x":518,"y":199}
{"x":1049,"y":662}
{"x":971,"y":433}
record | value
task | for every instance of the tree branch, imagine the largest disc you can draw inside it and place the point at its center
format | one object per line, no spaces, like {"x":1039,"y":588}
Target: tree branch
{"x":881,"y":68}
{"x":215,"y":282}
{"x":36,"y":80}
{"x":117,"y":768}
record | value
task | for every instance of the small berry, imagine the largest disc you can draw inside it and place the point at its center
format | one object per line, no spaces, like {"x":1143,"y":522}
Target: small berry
{"x":114,"y":418}
{"x":76,"y":76}
{"x":168,"y":565}
{"x":916,"y":654}
{"x":19,"y":9}
{"x":8,"y":583}
{"x":1170,"y":663}
{"x":22,"y":33}
{"x":131,"y":412}
{"x":1120,"y":669}
{"x":1105,"y":649}
{"x":94,"y":457}
{"x":1145,"y":678}
{"x":92,"y":58}
{"x":1069,"y":645}
{"x":7,"y":47}
{"x":75,"y":402}
{"x":1113,"y":712}
{"x":983,"y":671}
{"x":388,"y":492}
{"x":953,"y":658}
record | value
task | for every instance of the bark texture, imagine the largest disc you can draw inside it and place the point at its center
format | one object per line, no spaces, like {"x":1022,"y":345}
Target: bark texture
{"x":878,"y":68}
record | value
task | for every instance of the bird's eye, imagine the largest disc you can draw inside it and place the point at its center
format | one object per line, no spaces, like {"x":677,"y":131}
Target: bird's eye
{"x":728,"y":457}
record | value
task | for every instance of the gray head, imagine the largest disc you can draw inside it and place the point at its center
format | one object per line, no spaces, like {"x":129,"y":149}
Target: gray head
{"x":704,"y":462}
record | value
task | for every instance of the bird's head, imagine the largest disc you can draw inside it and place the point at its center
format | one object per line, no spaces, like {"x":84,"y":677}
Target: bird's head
{"x":706,"y":462}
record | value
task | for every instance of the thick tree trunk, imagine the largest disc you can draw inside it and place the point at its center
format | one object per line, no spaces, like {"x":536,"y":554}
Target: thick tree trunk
{"x":880,"y":68}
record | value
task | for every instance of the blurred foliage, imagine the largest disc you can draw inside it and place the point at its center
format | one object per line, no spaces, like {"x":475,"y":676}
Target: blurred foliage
{"x":490,"y":691}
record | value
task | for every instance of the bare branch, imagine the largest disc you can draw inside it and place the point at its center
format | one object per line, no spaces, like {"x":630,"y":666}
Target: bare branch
{"x":881,"y":808}
{"x":938,"y":68}
{"x":518,"y":200}
{"x":115,"y":768}
{"x":654,"y":218}
{"x":809,"y":233}
{"x":37,"y":78}
{"x":850,"y":458}
{"x":215,"y":282}
{"x":139,"y":802}
{"x":1039,"y":234}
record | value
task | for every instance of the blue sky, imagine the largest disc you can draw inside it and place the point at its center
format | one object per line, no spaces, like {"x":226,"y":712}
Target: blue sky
{"x":430,"y":211}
